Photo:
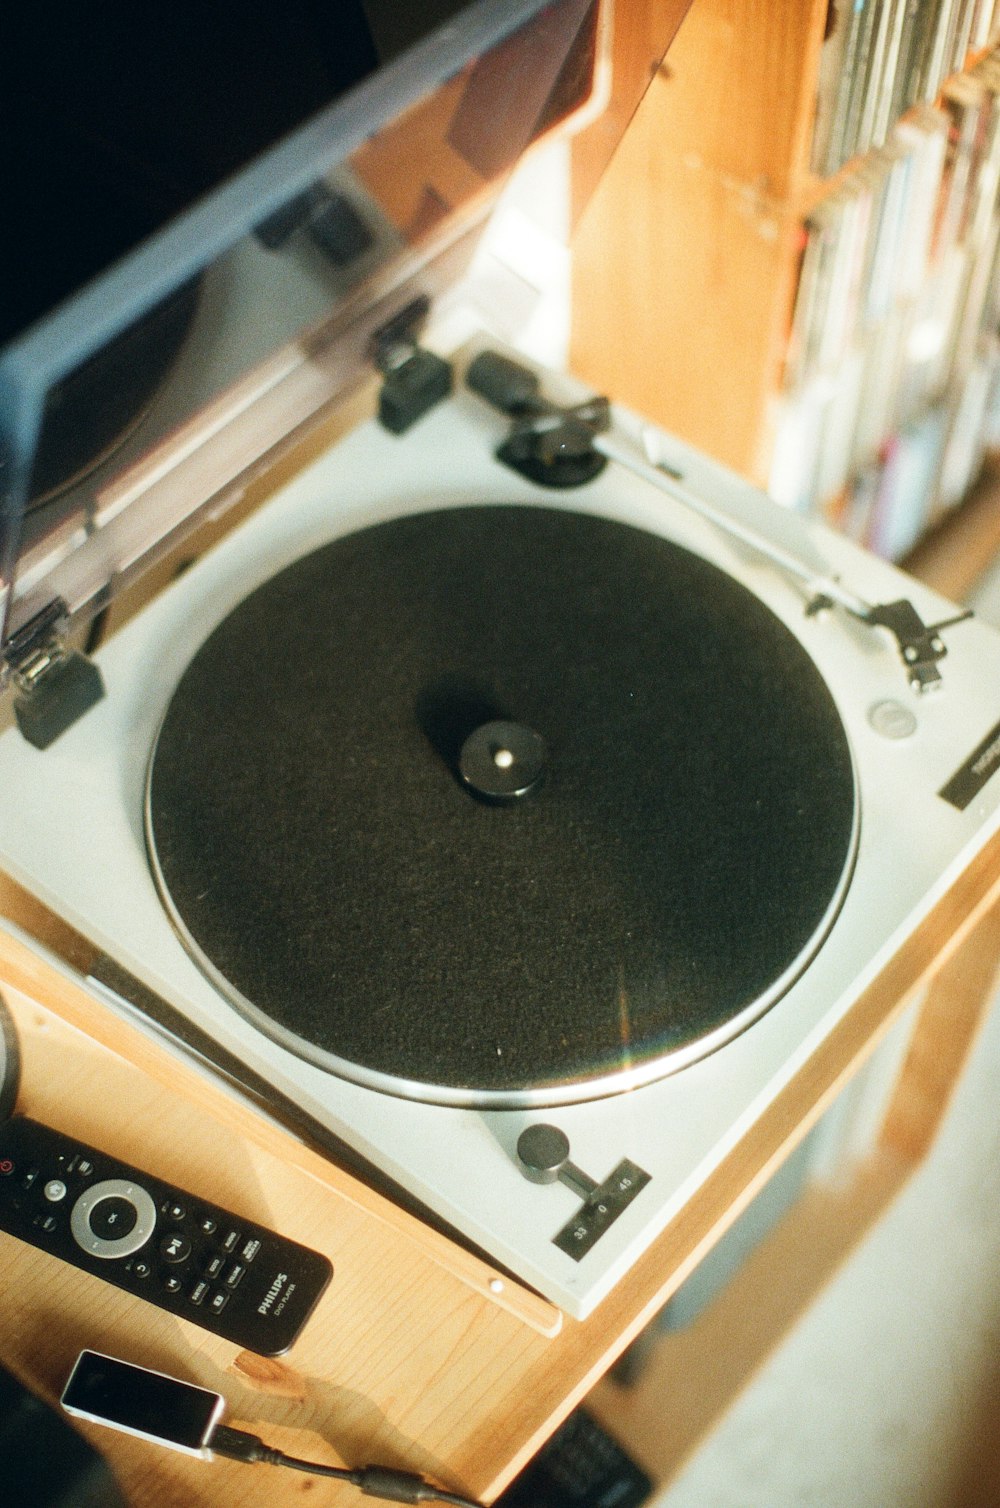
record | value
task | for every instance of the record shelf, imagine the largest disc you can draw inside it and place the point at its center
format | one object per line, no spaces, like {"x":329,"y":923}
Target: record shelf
{"x":702,"y":229}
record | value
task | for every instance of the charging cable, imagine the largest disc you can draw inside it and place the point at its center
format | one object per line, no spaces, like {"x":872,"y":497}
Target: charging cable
{"x":375,"y":1481}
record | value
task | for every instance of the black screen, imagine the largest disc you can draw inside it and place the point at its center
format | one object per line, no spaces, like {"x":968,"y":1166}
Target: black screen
{"x":148,"y":1403}
{"x":115,"y":117}
{"x":270,"y":170}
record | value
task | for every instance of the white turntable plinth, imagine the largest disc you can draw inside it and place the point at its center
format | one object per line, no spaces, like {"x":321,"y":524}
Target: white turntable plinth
{"x":74,"y":836}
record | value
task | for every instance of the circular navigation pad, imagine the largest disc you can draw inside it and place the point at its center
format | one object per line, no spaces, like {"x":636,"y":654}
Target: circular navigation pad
{"x":113,"y":1218}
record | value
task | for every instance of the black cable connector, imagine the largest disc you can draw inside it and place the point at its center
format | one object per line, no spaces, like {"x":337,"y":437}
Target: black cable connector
{"x":374,"y":1481}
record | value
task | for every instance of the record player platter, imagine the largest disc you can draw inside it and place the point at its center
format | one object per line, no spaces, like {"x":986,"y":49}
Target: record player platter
{"x":502,"y":805}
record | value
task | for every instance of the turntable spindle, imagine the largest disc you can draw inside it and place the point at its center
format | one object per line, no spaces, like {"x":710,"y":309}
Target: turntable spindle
{"x":502,"y":761}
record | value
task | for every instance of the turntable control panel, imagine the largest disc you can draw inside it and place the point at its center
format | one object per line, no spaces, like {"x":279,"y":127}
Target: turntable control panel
{"x":543,"y":1157}
{"x":199,"y":1262}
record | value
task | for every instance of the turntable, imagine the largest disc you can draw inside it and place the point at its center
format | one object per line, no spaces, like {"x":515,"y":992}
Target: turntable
{"x":517,"y":799}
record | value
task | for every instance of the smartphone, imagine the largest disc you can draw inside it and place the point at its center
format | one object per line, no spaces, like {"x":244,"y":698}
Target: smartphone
{"x":140,"y":1402}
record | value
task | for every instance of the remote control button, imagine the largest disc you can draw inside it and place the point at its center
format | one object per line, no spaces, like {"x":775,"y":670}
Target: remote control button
{"x":219,"y":1301}
{"x":54,"y":1190}
{"x":208,"y":1226}
{"x":142,"y":1269}
{"x":199,"y":1291}
{"x":175,"y":1247}
{"x":6,"y":1167}
{"x":231,"y":1240}
{"x":81,"y":1165}
{"x":250,"y":1249}
{"x":45,"y":1222}
{"x":173,"y":1210}
{"x":30,"y":1178}
{"x":214,"y":1266}
{"x":113,"y":1218}
{"x":172,"y":1283}
{"x":234,"y":1274}
{"x":122,"y":1197}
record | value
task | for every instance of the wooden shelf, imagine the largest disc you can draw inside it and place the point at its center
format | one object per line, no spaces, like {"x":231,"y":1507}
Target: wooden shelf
{"x":685,"y":262}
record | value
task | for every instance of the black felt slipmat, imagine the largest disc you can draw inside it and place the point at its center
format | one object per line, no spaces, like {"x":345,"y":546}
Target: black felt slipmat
{"x":317,"y":844}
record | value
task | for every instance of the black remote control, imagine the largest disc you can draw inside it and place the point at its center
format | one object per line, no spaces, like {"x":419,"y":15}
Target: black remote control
{"x":197,"y":1261}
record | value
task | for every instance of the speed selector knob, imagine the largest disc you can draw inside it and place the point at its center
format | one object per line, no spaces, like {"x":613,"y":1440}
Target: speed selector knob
{"x":543,"y":1152}
{"x":543,"y":1156}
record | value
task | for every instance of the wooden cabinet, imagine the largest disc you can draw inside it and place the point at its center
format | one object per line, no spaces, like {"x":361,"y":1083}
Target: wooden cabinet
{"x":687,"y":261}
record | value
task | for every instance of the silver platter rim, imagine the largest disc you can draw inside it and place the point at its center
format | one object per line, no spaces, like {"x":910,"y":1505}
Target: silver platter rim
{"x":603,"y":1086}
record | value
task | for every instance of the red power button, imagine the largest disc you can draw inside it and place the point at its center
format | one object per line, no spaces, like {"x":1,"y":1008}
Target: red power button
{"x":6,"y":1166}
